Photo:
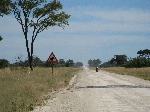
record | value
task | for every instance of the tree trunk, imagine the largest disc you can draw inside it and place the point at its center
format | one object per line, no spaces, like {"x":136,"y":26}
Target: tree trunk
{"x":31,"y":56}
{"x":27,"y":46}
{"x":30,"y":63}
{"x":28,"y":51}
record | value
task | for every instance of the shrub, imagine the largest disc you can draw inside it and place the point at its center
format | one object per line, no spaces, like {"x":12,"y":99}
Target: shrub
{"x":4,"y":63}
{"x":137,"y":63}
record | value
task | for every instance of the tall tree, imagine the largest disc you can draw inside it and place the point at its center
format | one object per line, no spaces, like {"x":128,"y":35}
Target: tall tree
{"x":39,"y":15}
{"x":119,"y":59}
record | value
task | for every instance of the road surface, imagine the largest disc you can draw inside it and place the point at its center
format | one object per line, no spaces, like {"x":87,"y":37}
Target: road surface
{"x":91,"y":91}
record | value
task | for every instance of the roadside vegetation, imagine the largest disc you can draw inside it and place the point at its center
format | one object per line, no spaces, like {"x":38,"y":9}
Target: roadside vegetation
{"x":142,"y":60}
{"x":143,"y":73}
{"x":21,"y":89}
{"x":121,"y":64}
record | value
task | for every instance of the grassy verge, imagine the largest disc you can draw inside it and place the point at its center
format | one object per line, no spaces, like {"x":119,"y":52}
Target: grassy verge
{"x":22,"y":90}
{"x":143,"y":73}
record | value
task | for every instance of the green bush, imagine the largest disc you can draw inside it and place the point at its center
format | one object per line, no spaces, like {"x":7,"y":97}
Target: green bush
{"x":4,"y":63}
{"x":138,"y":63}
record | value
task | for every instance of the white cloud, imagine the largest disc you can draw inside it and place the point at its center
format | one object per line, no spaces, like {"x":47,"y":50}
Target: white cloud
{"x":133,"y":20}
{"x":132,"y":15}
{"x":100,"y":26}
{"x":87,"y":20}
{"x":95,"y":19}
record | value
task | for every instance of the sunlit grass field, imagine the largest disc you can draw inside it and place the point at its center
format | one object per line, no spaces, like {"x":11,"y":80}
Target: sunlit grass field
{"x":143,"y":73}
{"x":21,"y":90}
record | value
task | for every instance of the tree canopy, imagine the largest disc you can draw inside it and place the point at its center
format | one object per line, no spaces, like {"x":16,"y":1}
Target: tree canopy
{"x":4,"y":63}
{"x":119,"y":59}
{"x":69,"y":63}
{"x":5,"y":7}
{"x":35,"y":15}
{"x":144,"y":53}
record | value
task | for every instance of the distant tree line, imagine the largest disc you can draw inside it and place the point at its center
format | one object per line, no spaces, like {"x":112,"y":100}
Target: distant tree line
{"x":118,"y":60}
{"x":37,"y":62}
{"x":94,"y":63}
{"x":69,"y":63}
{"x":142,"y":60}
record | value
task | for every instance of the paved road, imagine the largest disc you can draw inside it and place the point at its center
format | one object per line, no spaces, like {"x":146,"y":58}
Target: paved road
{"x":91,"y":91}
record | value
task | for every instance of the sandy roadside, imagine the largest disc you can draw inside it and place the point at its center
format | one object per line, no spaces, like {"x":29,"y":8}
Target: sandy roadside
{"x":91,"y":91}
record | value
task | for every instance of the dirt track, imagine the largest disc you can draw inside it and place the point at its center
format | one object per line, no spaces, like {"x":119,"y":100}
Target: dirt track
{"x":91,"y":91}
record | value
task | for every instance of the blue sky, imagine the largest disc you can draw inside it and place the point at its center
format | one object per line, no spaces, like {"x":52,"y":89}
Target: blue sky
{"x":98,"y":29}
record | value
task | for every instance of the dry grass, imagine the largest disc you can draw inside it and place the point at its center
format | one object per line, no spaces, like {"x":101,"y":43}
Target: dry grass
{"x":143,"y":73}
{"x":21,"y":90}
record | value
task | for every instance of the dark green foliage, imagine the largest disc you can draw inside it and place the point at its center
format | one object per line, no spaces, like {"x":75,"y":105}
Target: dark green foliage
{"x":138,"y":63}
{"x":61,"y":62}
{"x":18,"y":64}
{"x":94,"y":63}
{"x":69,"y":63}
{"x":118,"y":60}
{"x":142,"y":60}
{"x":37,"y":62}
{"x":144,"y":53}
{"x":1,"y":38}
{"x":5,"y":7}
{"x":4,"y":63}
{"x":25,"y":64}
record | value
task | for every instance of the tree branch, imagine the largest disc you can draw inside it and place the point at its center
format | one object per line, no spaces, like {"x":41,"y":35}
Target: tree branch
{"x":18,"y":17}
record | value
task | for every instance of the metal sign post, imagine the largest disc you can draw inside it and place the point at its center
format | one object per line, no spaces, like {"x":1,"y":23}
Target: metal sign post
{"x":52,"y":65}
